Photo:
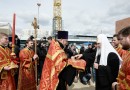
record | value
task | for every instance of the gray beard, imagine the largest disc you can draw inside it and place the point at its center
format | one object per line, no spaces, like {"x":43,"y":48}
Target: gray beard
{"x":98,"y":51}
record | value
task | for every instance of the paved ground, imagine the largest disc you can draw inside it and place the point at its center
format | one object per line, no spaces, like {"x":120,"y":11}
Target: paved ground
{"x":79,"y":86}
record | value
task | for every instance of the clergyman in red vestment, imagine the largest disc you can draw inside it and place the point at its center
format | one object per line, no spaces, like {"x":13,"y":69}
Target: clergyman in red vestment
{"x":6,"y":65}
{"x":118,"y":46}
{"x":123,"y":80}
{"x":27,"y":79}
{"x":55,"y":63}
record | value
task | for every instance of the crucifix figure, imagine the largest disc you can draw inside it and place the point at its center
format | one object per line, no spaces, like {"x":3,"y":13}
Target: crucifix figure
{"x":34,"y":23}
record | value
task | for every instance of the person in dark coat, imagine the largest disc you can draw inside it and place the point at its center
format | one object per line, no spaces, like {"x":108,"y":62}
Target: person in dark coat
{"x":17,"y":41}
{"x":89,"y":57}
{"x":42,"y":55}
{"x":56,"y":74}
{"x":82,"y":49}
{"x":106,"y":64}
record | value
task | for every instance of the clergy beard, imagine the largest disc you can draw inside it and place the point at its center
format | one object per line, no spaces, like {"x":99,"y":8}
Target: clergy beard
{"x":125,"y":47}
{"x":98,"y":51}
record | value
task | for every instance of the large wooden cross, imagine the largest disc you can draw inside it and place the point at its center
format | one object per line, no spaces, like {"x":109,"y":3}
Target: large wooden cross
{"x":35,"y":26}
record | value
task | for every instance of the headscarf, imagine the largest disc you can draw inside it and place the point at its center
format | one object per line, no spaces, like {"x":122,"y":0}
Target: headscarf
{"x":106,"y":48}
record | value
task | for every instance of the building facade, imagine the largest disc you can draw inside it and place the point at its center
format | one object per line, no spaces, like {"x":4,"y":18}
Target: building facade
{"x":120,"y":24}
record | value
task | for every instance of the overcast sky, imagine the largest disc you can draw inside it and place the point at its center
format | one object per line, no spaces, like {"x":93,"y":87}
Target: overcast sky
{"x":87,"y":17}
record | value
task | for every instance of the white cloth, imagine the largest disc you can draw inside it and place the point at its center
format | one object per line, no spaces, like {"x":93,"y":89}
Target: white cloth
{"x":5,"y":28}
{"x":106,"y":48}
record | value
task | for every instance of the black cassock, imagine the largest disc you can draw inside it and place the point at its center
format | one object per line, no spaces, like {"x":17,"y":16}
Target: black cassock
{"x":105,"y":75}
{"x":89,"y":57}
{"x":66,"y":76}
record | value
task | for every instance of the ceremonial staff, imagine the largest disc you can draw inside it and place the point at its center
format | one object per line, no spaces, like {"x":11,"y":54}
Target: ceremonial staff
{"x":35,"y":26}
{"x":13,"y":55}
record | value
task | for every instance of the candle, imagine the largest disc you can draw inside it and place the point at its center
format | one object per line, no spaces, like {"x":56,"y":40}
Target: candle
{"x":13,"y":35}
{"x":13,"y":30}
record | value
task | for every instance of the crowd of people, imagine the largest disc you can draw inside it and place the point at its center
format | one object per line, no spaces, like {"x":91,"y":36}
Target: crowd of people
{"x":104,"y":64}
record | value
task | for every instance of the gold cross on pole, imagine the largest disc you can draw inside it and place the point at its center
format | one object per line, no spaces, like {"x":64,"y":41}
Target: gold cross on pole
{"x":35,"y":26}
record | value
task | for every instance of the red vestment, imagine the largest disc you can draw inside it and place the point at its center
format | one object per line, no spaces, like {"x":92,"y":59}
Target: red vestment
{"x":6,"y":77}
{"x":26,"y":79}
{"x":120,"y":51}
{"x":124,"y":73}
{"x":55,"y":62}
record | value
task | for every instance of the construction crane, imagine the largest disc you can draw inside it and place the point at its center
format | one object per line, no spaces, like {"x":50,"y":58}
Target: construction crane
{"x":57,"y":18}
